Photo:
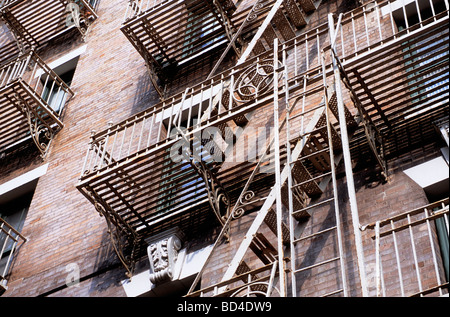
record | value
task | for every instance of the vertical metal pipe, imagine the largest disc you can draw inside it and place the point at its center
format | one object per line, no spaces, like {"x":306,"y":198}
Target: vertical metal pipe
{"x":416,"y":264}
{"x":348,"y":168}
{"x":278,"y":184}
{"x":377,"y":258}
{"x":397,"y":258}
{"x":293,"y":259}
{"x":334,"y":180}
{"x":433,"y":251}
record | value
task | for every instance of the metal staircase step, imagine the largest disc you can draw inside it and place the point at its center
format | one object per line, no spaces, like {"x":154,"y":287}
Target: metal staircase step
{"x":301,"y":175}
{"x":283,"y":26}
{"x":307,"y":5}
{"x":269,"y":34}
{"x":299,"y":200}
{"x":259,"y":48}
{"x":240,"y":120}
{"x":242,"y":270}
{"x":349,"y":118}
{"x":271,"y":222}
{"x":295,"y":13}
{"x":263,"y":249}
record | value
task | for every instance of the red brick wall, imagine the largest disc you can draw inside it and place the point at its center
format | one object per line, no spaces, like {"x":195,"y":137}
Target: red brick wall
{"x":62,"y":227}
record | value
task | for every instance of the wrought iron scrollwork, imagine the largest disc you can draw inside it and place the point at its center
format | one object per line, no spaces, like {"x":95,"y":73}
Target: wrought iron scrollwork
{"x":122,"y":236}
{"x":254,"y":81}
{"x":41,"y":132}
{"x":77,"y":14}
{"x":245,"y":200}
{"x":217,"y":196}
{"x":259,"y":6}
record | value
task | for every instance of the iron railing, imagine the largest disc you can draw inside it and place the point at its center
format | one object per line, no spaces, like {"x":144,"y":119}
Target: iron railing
{"x":10,"y":240}
{"x":30,"y":91}
{"x":408,"y":258}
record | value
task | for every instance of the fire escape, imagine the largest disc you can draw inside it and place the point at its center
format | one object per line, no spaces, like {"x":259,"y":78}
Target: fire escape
{"x":28,"y":87}
{"x":331,"y":98}
{"x":32,"y":95}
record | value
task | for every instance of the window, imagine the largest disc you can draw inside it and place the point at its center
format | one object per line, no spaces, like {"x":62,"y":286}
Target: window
{"x":64,"y":67}
{"x":15,"y":200}
{"x":199,"y":32}
{"x":55,"y":97}
{"x":13,"y":213}
{"x":426,"y":59}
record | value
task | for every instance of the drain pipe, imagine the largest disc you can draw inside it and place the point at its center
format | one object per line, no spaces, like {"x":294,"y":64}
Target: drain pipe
{"x":348,"y":165}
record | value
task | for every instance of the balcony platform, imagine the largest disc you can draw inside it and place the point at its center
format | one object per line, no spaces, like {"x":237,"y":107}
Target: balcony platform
{"x":26,"y":84}
{"x":37,"y":22}
{"x":128,"y":172}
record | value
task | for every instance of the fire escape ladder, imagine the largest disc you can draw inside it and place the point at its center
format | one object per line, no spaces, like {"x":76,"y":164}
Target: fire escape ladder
{"x":312,"y":159}
{"x":300,"y":193}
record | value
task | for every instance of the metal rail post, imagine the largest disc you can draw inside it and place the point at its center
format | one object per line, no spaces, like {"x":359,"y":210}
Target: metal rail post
{"x":348,"y":166}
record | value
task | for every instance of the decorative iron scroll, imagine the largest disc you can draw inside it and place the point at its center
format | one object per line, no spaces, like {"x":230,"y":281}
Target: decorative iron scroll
{"x":41,"y":132}
{"x":254,"y":81}
{"x":258,"y":7}
{"x":121,"y":234}
{"x":77,"y":14}
{"x":217,"y":195}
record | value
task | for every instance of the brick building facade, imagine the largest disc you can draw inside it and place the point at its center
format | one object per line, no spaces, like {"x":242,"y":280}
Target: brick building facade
{"x":125,"y":95}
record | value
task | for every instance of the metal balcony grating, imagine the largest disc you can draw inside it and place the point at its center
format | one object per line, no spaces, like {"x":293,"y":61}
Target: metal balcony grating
{"x":36,"y":22}
{"x":28,"y":91}
{"x":128,"y":173}
{"x":171,"y":33}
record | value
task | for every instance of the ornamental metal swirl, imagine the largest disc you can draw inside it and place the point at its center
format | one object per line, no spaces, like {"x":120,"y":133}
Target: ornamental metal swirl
{"x":41,"y":133}
{"x":255,"y":80}
{"x":120,"y":233}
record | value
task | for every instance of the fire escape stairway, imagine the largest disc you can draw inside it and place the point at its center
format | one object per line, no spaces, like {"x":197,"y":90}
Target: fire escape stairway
{"x":285,"y":17}
{"x":280,"y":23}
{"x":305,"y":189}
{"x":310,"y":153}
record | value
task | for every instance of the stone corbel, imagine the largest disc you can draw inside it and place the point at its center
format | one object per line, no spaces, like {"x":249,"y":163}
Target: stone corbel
{"x":162,"y":254}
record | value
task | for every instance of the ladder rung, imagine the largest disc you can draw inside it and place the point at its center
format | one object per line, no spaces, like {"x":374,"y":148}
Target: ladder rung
{"x":307,"y":111}
{"x":317,"y":264}
{"x":310,"y":155}
{"x":312,"y":179}
{"x":314,"y":234}
{"x":332,"y":293}
{"x":312,"y":206}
